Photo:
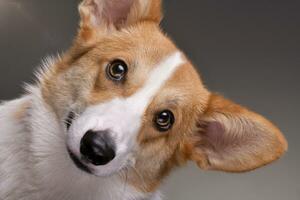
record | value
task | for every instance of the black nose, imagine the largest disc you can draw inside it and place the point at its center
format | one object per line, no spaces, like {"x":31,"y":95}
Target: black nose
{"x":97,"y":147}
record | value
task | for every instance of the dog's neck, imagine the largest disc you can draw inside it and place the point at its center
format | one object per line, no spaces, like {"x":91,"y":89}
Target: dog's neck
{"x":57,"y":176}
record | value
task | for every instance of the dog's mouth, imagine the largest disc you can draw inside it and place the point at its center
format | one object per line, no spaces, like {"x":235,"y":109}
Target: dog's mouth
{"x":68,"y":122}
{"x":79,"y":163}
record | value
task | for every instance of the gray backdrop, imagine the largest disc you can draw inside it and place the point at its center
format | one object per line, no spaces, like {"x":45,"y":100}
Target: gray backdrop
{"x":247,"y":50}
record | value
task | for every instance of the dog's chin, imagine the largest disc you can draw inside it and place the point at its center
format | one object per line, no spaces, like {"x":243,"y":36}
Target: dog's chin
{"x":103,"y":171}
{"x":79,"y":164}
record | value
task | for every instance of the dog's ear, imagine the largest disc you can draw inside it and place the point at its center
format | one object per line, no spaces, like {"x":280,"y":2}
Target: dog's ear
{"x":233,"y":139}
{"x":106,"y":14}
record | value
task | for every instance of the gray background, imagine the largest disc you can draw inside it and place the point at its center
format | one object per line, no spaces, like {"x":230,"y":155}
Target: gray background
{"x":247,"y":50}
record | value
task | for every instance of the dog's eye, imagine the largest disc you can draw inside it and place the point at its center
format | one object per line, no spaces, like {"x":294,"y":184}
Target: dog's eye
{"x":164,"y":120}
{"x":117,"y":70}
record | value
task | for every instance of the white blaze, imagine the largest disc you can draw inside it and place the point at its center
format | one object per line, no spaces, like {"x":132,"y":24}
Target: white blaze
{"x":158,"y":77}
{"x":122,"y":116}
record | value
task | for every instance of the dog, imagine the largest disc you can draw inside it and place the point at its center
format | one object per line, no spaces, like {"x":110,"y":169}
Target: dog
{"x":118,"y":111}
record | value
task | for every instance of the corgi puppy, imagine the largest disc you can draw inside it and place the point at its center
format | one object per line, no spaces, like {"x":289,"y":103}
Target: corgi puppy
{"x":112,"y":117}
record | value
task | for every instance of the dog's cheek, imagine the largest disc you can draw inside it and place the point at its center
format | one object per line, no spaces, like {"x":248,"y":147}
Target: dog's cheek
{"x":57,"y":95}
{"x":64,"y":89}
{"x":154,"y":161}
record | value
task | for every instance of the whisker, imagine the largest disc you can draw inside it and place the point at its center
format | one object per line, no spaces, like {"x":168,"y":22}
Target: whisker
{"x":126,"y":180}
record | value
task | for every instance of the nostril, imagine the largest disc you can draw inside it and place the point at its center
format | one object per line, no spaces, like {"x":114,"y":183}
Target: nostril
{"x":97,"y":147}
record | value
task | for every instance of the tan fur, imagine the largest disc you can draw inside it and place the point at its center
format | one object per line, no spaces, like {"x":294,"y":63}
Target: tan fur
{"x":270,"y":147}
{"x":79,"y":78}
{"x":22,"y":111}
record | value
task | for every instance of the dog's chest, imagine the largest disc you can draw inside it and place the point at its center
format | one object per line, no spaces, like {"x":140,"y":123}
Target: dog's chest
{"x":100,"y":190}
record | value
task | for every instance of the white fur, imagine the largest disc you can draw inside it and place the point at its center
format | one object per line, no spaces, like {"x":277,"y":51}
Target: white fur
{"x":35,"y":164}
{"x":122,"y":117}
{"x":14,"y":157}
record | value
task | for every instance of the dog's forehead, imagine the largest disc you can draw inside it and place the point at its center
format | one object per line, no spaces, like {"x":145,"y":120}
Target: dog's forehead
{"x":143,"y":48}
{"x":143,"y":42}
{"x":157,"y":78}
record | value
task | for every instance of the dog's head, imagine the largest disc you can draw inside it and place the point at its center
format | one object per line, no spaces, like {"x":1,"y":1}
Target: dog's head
{"x":132,"y":100}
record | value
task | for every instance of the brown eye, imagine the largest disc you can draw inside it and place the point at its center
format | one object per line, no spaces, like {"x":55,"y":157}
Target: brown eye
{"x":117,"y":70}
{"x":164,"y":120}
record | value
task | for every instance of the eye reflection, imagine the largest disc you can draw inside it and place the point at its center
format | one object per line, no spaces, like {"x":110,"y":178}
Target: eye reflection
{"x":117,"y":70}
{"x":164,"y":120}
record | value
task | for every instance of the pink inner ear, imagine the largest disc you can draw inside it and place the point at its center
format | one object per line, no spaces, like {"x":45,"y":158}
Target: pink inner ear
{"x":117,"y":11}
{"x":215,"y":136}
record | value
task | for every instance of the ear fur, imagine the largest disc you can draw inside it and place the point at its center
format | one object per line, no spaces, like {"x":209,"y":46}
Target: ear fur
{"x":100,"y":15}
{"x":234,"y":139}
